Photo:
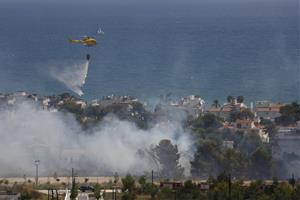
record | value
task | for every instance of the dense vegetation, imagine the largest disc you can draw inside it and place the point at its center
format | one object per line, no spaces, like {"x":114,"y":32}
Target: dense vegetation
{"x":290,"y":114}
{"x":220,"y":188}
{"x":247,"y":158}
{"x":217,"y":149}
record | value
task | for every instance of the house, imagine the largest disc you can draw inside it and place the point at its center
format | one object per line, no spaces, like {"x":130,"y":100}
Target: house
{"x":204,"y":186}
{"x":245,"y":124}
{"x":193,"y":105}
{"x":45,"y":103}
{"x":267,"y":110}
{"x":33,"y":97}
{"x":11,"y":101}
{"x":81,"y":103}
{"x":95,"y":103}
{"x":264,"y":136}
{"x":254,"y":127}
{"x":171,"y":185}
{"x":220,"y":112}
{"x":175,"y":185}
{"x":21,"y":93}
{"x":225,"y":110}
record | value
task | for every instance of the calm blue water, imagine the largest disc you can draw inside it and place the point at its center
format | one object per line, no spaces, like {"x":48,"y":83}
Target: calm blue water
{"x":210,"y":49}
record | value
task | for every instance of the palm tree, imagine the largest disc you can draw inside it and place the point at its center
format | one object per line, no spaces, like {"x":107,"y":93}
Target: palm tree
{"x":216,"y":104}
{"x":240,"y":99}
{"x":230,"y":99}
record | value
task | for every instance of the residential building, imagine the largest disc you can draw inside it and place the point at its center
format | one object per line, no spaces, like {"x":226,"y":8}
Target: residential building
{"x":225,"y":110}
{"x":245,"y":124}
{"x":267,"y":110}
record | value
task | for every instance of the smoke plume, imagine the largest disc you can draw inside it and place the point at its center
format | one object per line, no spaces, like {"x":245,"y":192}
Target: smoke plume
{"x":56,"y":139}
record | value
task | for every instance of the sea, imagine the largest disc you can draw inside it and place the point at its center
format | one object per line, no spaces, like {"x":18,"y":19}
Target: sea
{"x":152,"y":48}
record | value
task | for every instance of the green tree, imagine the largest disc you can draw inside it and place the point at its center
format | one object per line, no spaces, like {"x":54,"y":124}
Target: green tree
{"x":72,"y":107}
{"x":244,"y":114}
{"x":249,"y":143}
{"x":168,"y":156}
{"x":128,"y":188}
{"x":261,"y":161}
{"x":282,"y":191}
{"x":207,"y":121}
{"x":128,"y":183}
{"x":264,"y":197}
{"x":74,"y":190}
{"x":165,"y":194}
{"x":296,"y":193}
{"x":206,"y":159}
{"x":143,"y":181}
{"x":240,"y":99}
{"x":269,"y":127}
{"x":151,"y":189}
{"x":219,"y":192}
{"x":116,"y":178}
{"x":129,"y":196}
{"x":290,"y":114}
{"x":238,"y":191}
{"x":97,"y":191}
{"x":230,"y":99}
{"x":234,"y":162}
{"x":189,"y":191}
{"x":216,"y":104}
{"x":254,"y":191}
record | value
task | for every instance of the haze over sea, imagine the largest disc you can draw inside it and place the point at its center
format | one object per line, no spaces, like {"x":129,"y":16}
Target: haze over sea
{"x":210,"y":48}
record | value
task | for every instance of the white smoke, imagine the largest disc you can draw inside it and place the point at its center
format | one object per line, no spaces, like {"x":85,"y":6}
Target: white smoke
{"x":72,"y":76}
{"x":28,"y":133}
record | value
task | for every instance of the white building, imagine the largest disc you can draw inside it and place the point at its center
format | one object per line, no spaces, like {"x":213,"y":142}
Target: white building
{"x":81,"y":103}
{"x":193,"y":105}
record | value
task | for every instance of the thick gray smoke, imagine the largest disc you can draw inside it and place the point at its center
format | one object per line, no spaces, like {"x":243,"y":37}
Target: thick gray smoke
{"x":72,"y":76}
{"x":56,"y":139}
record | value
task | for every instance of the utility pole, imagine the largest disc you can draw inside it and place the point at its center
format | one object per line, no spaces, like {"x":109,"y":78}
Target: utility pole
{"x":175,"y":194}
{"x":72,"y":175}
{"x":152,"y":177}
{"x":116,"y":179}
{"x":37,"y":162}
{"x":114,"y":193}
{"x":229,"y":186}
{"x":74,"y":190}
